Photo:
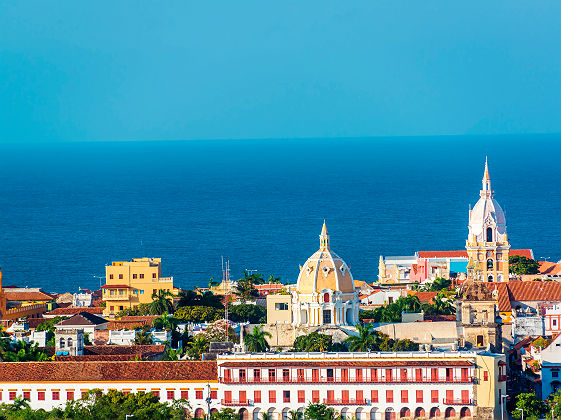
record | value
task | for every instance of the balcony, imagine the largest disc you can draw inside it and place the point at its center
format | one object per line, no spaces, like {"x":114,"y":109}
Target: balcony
{"x":339,"y":380}
{"x":124,"y":297}
{"x":502,"y":378}
{"x":233,"y":403}
{"x":344,"y":401}
{"x":163,"y":280}
{"x":457,"y":401}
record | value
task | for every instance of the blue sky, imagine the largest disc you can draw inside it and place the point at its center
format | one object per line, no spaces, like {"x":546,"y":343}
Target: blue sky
{"x":133,"y":70}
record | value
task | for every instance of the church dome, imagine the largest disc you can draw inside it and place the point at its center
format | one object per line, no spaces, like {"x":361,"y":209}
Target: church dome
{"x":487,"y":221}
{"x":325,"y":270}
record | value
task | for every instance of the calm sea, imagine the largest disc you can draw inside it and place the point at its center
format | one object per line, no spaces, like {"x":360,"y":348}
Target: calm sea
{"x":68,"y":209}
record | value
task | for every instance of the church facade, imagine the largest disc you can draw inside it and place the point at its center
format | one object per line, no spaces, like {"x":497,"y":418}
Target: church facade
{"x":487,"y":244}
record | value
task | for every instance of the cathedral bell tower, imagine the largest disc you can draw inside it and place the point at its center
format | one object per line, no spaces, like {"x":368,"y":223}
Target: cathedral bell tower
{"x":487,"y":244}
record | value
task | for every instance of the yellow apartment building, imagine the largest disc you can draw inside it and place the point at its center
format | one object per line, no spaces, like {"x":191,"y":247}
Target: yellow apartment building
{"x":130,"y":283}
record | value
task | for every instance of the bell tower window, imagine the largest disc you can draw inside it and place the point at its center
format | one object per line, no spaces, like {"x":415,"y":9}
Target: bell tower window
{"x":489,"y":264}
{"x":489,"y":234}
{"x":326,"y":297}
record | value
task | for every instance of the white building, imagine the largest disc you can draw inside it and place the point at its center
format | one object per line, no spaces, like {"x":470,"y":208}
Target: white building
{"x":551,"y":367}
{"x":364,"y":385}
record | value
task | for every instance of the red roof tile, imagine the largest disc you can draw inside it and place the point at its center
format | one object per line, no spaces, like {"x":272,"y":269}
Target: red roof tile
{"x":535,"y":290}
{"x":104,"y":371}
{"x":549,"y":268}
{"x":73,"y":311}
{"x":424,"y":297}
{"x":26,"y":296}
{"x":115,"y":286}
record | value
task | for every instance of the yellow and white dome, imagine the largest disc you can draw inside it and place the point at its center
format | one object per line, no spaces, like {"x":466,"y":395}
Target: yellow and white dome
{"x":325,"y":270}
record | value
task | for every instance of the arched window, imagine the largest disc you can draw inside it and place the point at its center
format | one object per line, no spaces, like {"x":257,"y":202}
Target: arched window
{"x":489,"y":264}
{"x":326,"y":297}
{"x":61,"y":343}
{"x":489,"y":234}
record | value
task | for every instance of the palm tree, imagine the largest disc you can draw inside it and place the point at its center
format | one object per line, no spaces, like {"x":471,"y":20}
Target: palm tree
{"x":197,"y":347}
{"x":274,"y":280}
{"x":295,"y":415}
{"x":161,"y":302}
{"x":256,"y":342}
{"x":443,"y":305}
{"x":143,"y":337}
{"x":410,"y":304}
{"x":212,"y":283}
{"x":245,"y":290}
{"x":366,"y":340}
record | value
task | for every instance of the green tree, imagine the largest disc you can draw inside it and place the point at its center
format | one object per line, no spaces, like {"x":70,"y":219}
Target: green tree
{"x":410,"y":304}
{"x":21,"y":351}
{"x":257,"y":341}
{"x":193,"y":298}
{"x":173,"y":354}
{"x":198,"y":314}
{"x":212,"y":283}
{"x":245,"y":290}
{"x":313,"y":342}
{"x":226,"y":414}
{"x":273,"y":280}
{"x":554,"y":403}
{"x":366,"y":340}
{"x":143,"y":337}
{"x":316,"y":411}
{"x":142,"y":309}
{"x":519,"y":264}
{"x":253,"y":314}
{"x":161,"y":302}
{"x":533,"y":406}
{"x":196,"y":347}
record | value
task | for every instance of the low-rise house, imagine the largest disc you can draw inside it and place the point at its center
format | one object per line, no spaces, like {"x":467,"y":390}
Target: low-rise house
{"x":80,"y":300}
{"x":70,"y":311}
{"x":551,"y":367}
{"x":85,"y":321}
{"x":117,"y":353}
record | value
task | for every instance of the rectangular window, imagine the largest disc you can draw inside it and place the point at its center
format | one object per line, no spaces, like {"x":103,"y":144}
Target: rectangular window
{"x":170,"y":394}
{"x":389,"y":396}
{"x":403,"y":375}
{"x":404,"y":396}
{"x":12,"y":395}
{"x":485,"y":375}
{"x":555,"y":373}
{"x":359,"y":396}
{"x":134,"y":276}
{"x":272,"y":375}
{"x":142,"y":292}
{"x":374,"y":395}
{"x":213,"y":394}
{"x":256,"y":375}
{"x":69,"y":395}
{"x":449,"y":396}
{"x":464,"y":374}
{"x":286,"y":396}
{"x":242,"y":375}
{"x":153,"y":275}
{"x":120,"y":308}
{"x":185,"y":394}
{"x":418,"y":375}
{"x":344,"y":395}
{"x":111,"y":276}
{"x":281,"y":306}
{"x":121,"y":292}
{"x":242,"y":396}
{"x":434,"y":396}
{"x":120,"y":277}
{"x":301,"y":396}
{"x":199,"y":394}
{"x":465,"y":396}
{"x":449,"y":375}
{"x":315,"y":396}
{"x":41,"y":395}
{"x":257,"y":396}
{"x":135,"y":292}
{"x":272,"y":396}
{"x":300,"y":375}
{"x":227,"y":375}
{"x":359,"y":375}
{"x":141,"y":276}
{"x":388,"y":375}
{"x":315,"y":375}
{"x":27,"y":395}
{"x":419,"y":396}
{"x":434,"y":374}
{"x":156,"y":392}
{"x":286,"y":375}
{"x":227,"y":396}
{"x":374,"y":375}
{"x":344,"y":375}
{"x":126,"y":391}
{"x":56,"y":395}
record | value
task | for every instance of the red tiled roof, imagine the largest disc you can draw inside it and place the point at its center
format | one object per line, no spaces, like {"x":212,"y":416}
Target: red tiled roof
{"x":25,"y":296}
{"x":115,"y":286}
{"x":463,"y":253}
{"x":350,"y":363}
{"x":104,"y":371}
{"x":114,"y":349}
{"x":525,"y":291}
{"x":549,"y":268}
{"x":274,"y":286}
{"x":424,"y":296}
{"x":73,"y":311}
{"x":83,"y":318}
{"x":439,"y":318}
